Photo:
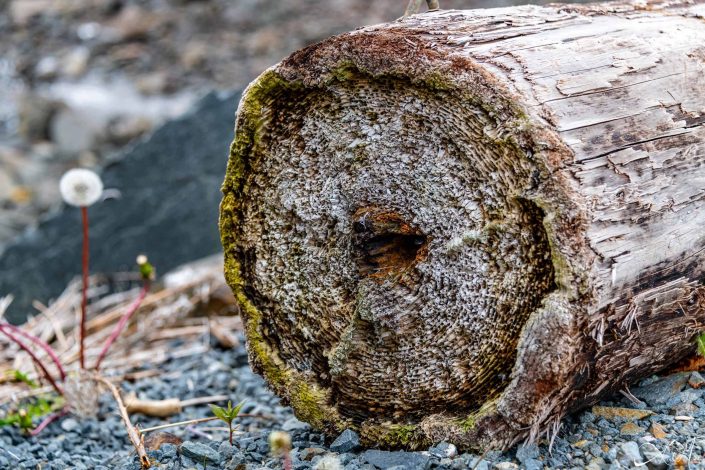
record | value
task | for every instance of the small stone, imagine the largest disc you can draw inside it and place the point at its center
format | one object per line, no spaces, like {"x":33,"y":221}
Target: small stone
{"x":631,"y":429}
{"x":628,"y":454}
{"x":660,"y":391}
{"x":386,"y":459}
{"x":696,"y":380}
{"x":168,"y":451}
{"x":293,"y":424}
{"x":69,"y":424}
{"x":505,"y":466}
{"x":156,"y":440}
{"x":595,"y":464}
{"x":310,"y":452}
{"x":580,"y":444}
{"x":612,"y":412}
{"x":655,"y":459}
{"x":681,"y":462}
{"x":479,"y":464}
{"x":532,"y":464}
{"x":199,"y":452}
{"x":347,"y":441}
{"x":237,"y":462}
{"x":225,"y":450}
{"x":658,"y":431}
{"x":442,"y":450}
{"x":525,"y":452}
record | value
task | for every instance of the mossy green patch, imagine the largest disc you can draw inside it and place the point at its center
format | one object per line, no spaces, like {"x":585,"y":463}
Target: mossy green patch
{"x":390,"y":435}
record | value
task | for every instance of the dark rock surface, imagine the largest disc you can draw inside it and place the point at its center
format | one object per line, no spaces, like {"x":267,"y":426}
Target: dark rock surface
{"x":168,"y":209}
{"x":347,"y":441}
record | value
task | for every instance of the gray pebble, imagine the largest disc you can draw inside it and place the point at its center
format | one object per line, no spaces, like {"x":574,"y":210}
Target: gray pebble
{"x":347,"y":441}
{"x":69,"y":425}
{"x":200,"y":452}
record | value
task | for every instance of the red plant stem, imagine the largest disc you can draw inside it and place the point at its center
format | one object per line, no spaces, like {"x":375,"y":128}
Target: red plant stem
{"x":48,"y":420}
{"x":287,"y":460}
{"x":48,"y":349}
{"x":122,"y":323}
{"x":84,"y":297}
{"x":35,"y":359}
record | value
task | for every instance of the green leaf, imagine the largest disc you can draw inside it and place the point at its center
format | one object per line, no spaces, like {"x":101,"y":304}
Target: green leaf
{"x":236,"y":410}
{"x":701,"y":344}
{"x":22,"y":377}
{"x":219,"y":412}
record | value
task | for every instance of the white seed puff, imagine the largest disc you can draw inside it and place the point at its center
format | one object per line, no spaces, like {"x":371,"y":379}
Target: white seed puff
{"x":80,"y":187}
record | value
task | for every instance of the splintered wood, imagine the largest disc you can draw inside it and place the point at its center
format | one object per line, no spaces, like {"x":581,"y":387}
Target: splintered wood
{"x":463,"y":224}
{"x":189,"y":305}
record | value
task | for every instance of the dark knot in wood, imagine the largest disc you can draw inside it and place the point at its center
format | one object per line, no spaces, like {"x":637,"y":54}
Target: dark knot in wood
{"x":385,"y":244}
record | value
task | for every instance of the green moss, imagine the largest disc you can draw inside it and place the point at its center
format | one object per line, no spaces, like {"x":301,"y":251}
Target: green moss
{"x":401,"y":434}
{"x":470,"y":422}
{"x":394,"y":435}
{"x":562,"y":272}
{"x":310,"y":403}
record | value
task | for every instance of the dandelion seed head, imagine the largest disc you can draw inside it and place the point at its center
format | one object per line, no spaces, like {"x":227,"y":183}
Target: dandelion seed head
{"x":279,"y":442}
{"x":328,"y":462}
{"x":80,"y":187}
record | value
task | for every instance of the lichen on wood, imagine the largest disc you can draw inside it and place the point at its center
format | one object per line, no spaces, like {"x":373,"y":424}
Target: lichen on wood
{"x":464,"y":224}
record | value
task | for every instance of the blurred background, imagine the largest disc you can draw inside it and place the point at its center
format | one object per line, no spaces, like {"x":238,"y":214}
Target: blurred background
{"x":87,"y":82}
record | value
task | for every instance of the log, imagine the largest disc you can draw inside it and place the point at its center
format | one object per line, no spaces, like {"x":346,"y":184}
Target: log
{"x":463,"y":225}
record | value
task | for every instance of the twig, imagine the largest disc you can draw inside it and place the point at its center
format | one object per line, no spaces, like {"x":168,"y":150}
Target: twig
{"x":48,"y":349}
{"x":121,"y":324}
{"x":47,"y":312}
{"x":34,"y":358}
{"x":201,"y":400}
{"x":48,"y":420}
{"x":180,"y":423}
{"x":131,"y":431}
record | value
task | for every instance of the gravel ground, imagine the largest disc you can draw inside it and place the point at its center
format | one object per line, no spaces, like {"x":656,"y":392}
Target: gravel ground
{"x":665,"y":429}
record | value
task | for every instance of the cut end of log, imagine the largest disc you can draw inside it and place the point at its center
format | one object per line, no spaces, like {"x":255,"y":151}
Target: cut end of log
{"x":409,"y":255}
{"x":387,"y":231}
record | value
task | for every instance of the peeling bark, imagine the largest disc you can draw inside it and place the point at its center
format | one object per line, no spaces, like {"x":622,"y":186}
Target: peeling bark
{"x":464,"y":224}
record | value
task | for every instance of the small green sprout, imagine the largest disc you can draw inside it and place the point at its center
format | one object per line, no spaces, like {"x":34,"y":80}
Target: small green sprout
{"x":20,"y":376}
{"x":228,"y":415}
{"x":22,"y":418}
{"x":700,"y":341}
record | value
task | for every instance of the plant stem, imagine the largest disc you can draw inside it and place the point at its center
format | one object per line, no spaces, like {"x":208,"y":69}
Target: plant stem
{"x":34,"y":358}
{"x":180,"y":423}
{"x":84,"y":297}
{"x":230,"y":429}
{"x":48,"y":349}
{"x":48,"y":420}
{"x":123,"y":322}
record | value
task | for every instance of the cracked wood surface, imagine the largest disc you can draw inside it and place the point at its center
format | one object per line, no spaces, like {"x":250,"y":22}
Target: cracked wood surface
{"x":464,"y":224}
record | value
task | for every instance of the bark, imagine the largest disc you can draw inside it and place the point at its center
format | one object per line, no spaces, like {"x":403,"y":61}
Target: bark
{"x":464,"y":224}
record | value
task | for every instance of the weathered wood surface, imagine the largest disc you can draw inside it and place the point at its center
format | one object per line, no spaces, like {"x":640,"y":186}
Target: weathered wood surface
{"x":464,"y":224}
